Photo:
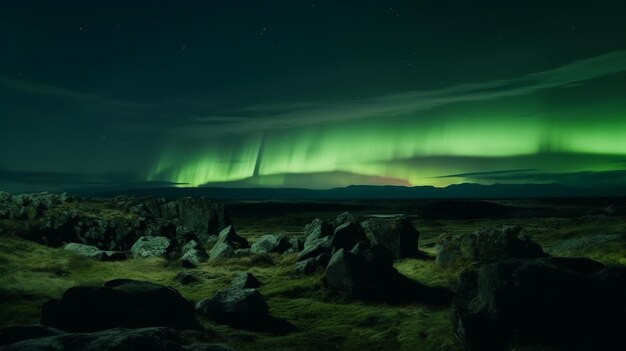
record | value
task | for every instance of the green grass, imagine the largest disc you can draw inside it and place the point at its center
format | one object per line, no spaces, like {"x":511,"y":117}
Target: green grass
{"x":32,"y":273}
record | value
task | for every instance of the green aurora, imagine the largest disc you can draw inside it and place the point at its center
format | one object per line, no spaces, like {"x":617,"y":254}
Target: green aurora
{"x":111,"y":96}
{"x":542,"y":122}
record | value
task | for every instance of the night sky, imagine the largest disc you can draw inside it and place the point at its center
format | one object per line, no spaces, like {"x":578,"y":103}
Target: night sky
{"x":312,"y":94}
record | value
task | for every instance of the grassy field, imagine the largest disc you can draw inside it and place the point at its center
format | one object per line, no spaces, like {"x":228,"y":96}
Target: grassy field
{"x":31,"y":273}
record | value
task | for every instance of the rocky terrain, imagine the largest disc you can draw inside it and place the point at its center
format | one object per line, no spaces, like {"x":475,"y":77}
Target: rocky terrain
{"x":129,"y":273}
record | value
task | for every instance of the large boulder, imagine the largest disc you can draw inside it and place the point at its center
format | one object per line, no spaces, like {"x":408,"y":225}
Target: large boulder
{"x":271,"y":243}
{"x":235,"y":306}
{"x":119,"y":303}
{"x":563,"y":303}
{"x":346,"y":235}
{"x":486,"y":245}
{"x":150,"y":246}
{"x":369,"y":274}
{"x":397,"y":234}
{"x":118,"y":339}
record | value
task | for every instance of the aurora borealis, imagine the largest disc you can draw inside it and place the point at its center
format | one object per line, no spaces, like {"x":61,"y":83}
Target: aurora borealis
{"x":316,"y":95}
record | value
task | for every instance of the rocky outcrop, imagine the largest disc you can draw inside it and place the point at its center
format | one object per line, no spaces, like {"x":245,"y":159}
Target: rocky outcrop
{"x":113,"y":224}
{"x":563,"y":303}
{"x":150,"y":246}
{"x":491,"y":244}
{"x":153,"y":339}
{"x":397,"y":234}
{"x":119,"y":303}
{"x":28,"y":206}
{"x":324,"y":238}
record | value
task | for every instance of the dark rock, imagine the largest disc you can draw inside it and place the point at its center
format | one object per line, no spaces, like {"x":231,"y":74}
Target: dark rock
{"x":17,"y":333}
{"x":347,"y":235}
{"x":235,"y":306}
{"x":150,"y":246}
{"x":119,"y":303}
{"x":118,"y":339}
{"x":230,"y":237}
{"x":271,"y":243}
{"x":396,"y":234}
{"x":245,"y":281}
{"x":346,"y":272}
{"x":185,"y":278}
{"x":486,"y":245}
{"x":565,"y":303}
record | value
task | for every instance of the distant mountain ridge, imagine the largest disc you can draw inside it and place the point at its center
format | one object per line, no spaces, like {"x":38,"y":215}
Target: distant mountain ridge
{"x":365,"y":192}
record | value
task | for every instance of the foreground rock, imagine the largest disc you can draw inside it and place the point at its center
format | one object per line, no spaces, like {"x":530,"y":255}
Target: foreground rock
{"x":150,"y":246}
{"x":397,"y":234}
{"x":95,"y":253}
{"x":563,"y":303}
{"x":235,"y":306}
{"x":242,"y":308}
{"x":119,"y":303}
{"x":153,"y":339}
{"x":486,"y":245}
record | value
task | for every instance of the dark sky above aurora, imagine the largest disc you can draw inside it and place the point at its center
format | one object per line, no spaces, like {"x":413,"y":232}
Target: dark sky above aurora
{"x":313,"y":94}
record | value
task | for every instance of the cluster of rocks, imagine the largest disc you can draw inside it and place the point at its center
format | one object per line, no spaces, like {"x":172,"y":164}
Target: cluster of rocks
{"x":28,"y":206}
{"x":325,"y":238}
{"x":485,"y":245}
{"x":114,"y":224}
{"x":122,"y":314}
{"x":559,"y":303}
{"x":511,"y":294}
